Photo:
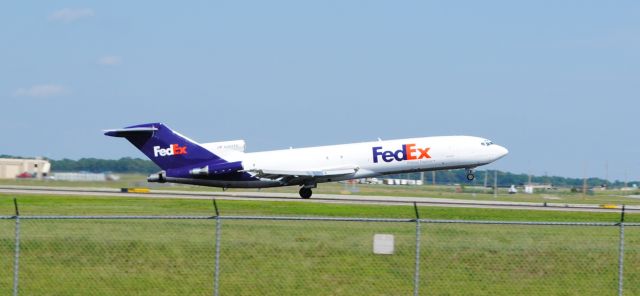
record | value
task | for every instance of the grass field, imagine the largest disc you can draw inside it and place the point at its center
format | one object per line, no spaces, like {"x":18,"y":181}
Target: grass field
{"x":176,"y":257}
{"x":119,"y":205}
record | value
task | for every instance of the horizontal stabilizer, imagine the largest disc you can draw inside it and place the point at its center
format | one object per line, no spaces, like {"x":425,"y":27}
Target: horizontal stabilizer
{"x":125,"y":132}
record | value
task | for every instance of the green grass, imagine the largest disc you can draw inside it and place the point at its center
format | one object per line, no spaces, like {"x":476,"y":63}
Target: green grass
{"x":118,"y":205}
{"x":335,"y":259}
{"x":6,"y":256}
{"x":523,"y":260}
{"x":115,"y":257}
{"x":311,"y":258}
{"x":126,"y":180}
{"x":176,"y":257}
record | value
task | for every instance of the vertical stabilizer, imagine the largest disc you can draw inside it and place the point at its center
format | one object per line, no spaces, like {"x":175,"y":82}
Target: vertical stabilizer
{"x":165,"y":147}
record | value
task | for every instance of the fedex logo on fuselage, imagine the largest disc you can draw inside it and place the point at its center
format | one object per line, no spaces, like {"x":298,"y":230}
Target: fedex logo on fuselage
{"x":173,"y":149}
{"x":408,"y":152}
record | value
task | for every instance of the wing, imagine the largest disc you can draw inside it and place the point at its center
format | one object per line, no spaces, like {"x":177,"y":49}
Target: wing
{"x":289,"y":176}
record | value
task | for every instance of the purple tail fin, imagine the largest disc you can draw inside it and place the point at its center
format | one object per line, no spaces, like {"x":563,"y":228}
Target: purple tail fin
{"x":166,"y":148}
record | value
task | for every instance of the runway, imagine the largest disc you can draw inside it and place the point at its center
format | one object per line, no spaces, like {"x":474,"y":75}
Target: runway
{"x":317,"y":198}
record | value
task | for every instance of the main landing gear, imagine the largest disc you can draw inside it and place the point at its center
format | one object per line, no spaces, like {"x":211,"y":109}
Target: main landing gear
{"x":470,"y":175}
{"x":305,"y":192}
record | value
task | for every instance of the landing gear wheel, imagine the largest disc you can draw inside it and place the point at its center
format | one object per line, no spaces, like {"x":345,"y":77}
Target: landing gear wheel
{"x":471,"y":176}
{"x":305,"y":193}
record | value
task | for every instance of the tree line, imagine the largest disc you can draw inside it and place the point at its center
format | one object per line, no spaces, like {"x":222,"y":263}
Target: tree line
{"x":96,"y":165}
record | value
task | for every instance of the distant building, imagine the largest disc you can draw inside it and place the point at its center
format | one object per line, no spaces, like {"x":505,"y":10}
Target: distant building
{"x":10,"y":168}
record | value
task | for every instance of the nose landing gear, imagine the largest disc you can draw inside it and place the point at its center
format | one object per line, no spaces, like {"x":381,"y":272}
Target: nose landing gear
{"x":470,"y":175}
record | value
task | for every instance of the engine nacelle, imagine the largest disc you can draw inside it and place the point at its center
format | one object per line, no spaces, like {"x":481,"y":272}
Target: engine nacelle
{"x":157,"y":177}
{"x":216,"y":169}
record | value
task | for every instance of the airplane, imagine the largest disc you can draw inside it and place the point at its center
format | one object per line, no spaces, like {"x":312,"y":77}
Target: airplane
{"x":226,"y":165}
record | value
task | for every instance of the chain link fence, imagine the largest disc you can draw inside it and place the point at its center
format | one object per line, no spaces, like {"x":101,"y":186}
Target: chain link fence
{"x":247,"y":255}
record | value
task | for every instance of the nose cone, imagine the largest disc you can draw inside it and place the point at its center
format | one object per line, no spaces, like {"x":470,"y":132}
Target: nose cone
{"x":500,"y":151}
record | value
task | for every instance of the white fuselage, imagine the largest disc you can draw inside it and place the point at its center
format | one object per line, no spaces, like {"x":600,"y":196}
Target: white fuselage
{"x":376,"y":158}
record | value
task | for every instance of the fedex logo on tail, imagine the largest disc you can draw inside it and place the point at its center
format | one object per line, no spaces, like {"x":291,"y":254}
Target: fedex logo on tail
{"x":408,"y":152}
{"x":173,"y":149}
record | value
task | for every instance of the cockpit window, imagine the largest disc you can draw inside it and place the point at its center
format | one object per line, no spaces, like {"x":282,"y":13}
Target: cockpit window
{"x":486,"y":143}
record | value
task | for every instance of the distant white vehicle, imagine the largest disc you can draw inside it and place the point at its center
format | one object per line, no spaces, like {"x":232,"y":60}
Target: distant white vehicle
{"x":226,"y":165}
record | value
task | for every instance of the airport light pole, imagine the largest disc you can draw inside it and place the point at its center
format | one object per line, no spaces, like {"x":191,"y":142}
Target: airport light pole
{"x":495,"y":184}
{"x":606,"y":174}
{"x":584,"y":181}
{"x":626,"y":178}
{"x":486,"y":174}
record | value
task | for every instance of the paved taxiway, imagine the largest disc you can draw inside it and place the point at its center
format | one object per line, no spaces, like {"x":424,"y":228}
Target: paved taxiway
{"x":317,"y":198}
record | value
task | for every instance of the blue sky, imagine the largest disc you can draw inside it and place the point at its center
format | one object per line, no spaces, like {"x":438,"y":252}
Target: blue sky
{"x":556,"y":82}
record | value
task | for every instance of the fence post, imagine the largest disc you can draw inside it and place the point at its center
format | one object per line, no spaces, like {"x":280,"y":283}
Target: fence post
{"x":621,"y":254}
{"x":216,"y":276}
{"x":16,"y":258}
{"x":416,"y":274}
